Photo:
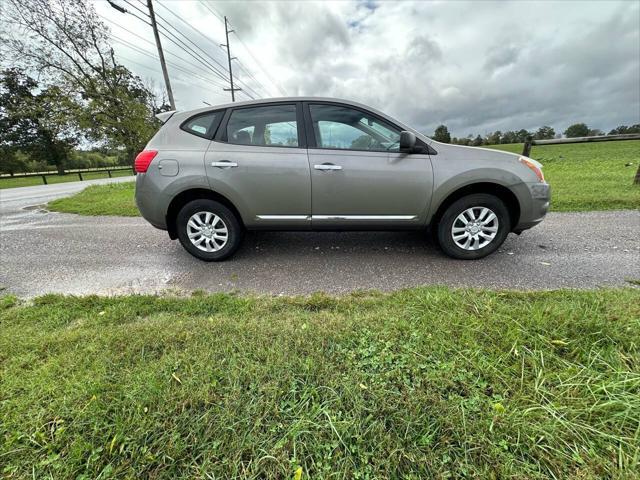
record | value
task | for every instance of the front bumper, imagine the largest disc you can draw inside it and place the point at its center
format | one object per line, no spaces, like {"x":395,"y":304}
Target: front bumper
{"x":535,"y":207}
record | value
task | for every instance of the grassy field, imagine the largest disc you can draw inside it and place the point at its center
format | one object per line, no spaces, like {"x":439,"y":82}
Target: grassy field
{"x":588,"y":176}
{"x":71,"y":177}
{"x":110,"y":199}
{"x":421,"y":383}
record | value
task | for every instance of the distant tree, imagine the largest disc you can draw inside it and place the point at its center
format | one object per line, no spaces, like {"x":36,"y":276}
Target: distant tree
{"x":477,"y":141}
{"x":522,"y":135}
{"x":509,"y":137}
{"x":623,"y":129}
{"x":38,"y":121}
{"x":69,"y":46}
{"x":544,"y":133}
{"x":577,"y":130}
{"x":493,"y":138}
{"x":441,"y":134}
{"x":595,"y":132}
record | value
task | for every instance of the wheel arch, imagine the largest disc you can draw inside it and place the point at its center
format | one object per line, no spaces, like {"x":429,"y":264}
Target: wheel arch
{"x":505,"y":194}
{"x":186,"y":196}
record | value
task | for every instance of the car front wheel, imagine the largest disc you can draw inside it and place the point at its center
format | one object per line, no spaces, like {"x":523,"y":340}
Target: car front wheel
{"x":208,"y":230}
{"x":473,"y":226}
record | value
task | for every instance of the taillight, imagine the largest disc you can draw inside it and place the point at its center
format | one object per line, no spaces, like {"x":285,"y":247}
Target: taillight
{"x":143,"y":160}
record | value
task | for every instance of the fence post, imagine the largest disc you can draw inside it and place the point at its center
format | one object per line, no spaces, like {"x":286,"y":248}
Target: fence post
{"x":109,"y":173}
{"x":80,"y":175}
{"x":526,"y":151}
{"x":44,"y":179}
{"x":636,"y":181}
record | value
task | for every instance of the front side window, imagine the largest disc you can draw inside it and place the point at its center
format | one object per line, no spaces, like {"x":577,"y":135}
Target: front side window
{"x":346,"y":128}
{"x":270,"y":125}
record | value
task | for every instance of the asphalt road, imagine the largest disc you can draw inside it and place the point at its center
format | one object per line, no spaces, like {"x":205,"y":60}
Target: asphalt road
{"x":43,"y":252}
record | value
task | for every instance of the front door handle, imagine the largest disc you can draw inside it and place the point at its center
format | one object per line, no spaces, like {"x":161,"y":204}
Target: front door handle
{"x":224,"y":164}
{"x":327,"y":166}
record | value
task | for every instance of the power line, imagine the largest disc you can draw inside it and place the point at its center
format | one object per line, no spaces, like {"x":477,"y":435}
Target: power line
{"x":204,"y":4}
{"x":151,"y":55}
{"x":154,"y":27}
{"x":145,"y":14}
{"x":191,"y":27}
{"x":174,"y":39}
{"x":169,"y":52}
{"x":122,"y":10}
{"x":183,"y":46}
{"x":273,"y":82}
{"x":203,"y":51}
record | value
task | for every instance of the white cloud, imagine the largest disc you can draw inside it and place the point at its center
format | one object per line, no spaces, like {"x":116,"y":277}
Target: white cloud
{"x":475,"y":66}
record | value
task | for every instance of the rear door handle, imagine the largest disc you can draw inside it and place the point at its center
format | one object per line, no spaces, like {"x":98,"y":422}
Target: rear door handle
{"x":327,"y":166}
{"x":224,"y":163}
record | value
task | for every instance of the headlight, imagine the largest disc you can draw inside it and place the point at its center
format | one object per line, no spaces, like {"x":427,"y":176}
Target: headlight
{"x":533,"y":165}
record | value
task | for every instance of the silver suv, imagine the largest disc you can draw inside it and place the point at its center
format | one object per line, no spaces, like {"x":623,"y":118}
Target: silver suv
{"x":326,"y":164}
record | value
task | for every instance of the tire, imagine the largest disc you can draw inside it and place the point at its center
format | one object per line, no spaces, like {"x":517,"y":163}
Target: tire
{"x":211,"y":219}
{"x":471,"y":241}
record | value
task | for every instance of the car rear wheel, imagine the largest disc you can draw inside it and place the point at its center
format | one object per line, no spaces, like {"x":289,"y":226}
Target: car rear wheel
{"x":208,"y":230}
{"x":473,"y":226}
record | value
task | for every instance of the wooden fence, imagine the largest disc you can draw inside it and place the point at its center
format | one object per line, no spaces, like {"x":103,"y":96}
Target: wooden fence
{"x":76,"y":171}
{"x":529,"y":142}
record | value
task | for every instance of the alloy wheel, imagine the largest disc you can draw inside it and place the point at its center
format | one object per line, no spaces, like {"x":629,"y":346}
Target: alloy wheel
{"x":474,"y":228}
{"x":207,"y":231}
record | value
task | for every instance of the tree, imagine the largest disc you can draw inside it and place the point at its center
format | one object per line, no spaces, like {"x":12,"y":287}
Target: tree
{"x":577,"y":130}
{"x":442,"y":134}
{"x":522,"y":135}
{"x":493,"y":138}
{"x":66,"y":42}
{"x":623,"y":129}
{"x":477,"y":141}
{"x":544,"y":133}
{"x":39,"y":123}
{"x":509,"y":137}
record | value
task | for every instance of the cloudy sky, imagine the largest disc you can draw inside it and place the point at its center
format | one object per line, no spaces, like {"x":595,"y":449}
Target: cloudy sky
{"x":474,"y":66}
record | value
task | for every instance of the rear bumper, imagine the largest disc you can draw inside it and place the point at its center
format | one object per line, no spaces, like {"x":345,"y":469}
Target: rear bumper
{"x":535,"y":205}
{"x":148,"y":204}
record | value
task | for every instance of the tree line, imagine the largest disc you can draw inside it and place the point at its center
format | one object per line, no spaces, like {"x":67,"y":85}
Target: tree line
{"x":65,"y":89}
{"x":441,"y":134}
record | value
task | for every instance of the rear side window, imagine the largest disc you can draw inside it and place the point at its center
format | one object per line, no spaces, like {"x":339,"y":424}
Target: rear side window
{"x":203,"y":125}
{"x":271,"y":125}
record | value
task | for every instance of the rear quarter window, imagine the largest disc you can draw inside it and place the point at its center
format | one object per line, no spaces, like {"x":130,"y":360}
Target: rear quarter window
{"x":203,"y":125}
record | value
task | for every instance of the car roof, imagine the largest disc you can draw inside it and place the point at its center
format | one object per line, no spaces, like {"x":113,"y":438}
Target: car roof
{"x":262,"y":101}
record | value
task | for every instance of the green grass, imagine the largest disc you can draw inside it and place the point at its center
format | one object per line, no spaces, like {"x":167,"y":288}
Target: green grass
{"x":70,"y":177}
{"x":588,"y":176}
{"x":421,"y":383}
{"x":110,"y":199}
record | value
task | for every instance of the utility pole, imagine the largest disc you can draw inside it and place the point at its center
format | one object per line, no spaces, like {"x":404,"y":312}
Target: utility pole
{"x":165,"y":73}
{"x":229,"y":58}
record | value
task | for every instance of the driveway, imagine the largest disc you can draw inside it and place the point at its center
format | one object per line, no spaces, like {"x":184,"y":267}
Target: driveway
{"x":43,"y":252}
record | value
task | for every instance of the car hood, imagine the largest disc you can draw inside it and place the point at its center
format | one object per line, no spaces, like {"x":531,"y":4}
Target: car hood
{"x":476,"y":153}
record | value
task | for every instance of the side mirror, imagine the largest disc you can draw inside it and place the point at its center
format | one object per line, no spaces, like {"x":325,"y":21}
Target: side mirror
{"x":407,"y":142}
